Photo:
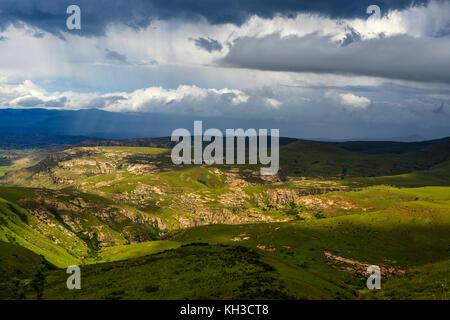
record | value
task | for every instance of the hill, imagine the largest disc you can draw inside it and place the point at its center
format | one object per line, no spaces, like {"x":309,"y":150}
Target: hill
{"x":18,"y":267}
{"x":323,"y":258}
{"x":16,"y":261}
{"x":380,"y":147}
{"x":127,"y":215}
{"x":314,"y":159}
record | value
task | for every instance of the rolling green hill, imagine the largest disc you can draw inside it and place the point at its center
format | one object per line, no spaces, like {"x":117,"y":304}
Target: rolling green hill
{"x":314,"y":159}
{"x":18,"y":267}
{"x":142,"y":228}
{"x":380,"y":147}
{"x":16,"y":261}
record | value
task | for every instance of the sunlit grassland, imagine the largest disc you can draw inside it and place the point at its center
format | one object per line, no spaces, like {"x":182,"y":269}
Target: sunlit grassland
{"x":400,"y":221}
{"x":408,"y":234}
{"x":125,"y":252}
{"x":135,"y":150}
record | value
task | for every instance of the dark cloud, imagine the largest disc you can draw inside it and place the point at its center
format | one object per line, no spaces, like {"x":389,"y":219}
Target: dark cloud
{"x":400,"y":57}
{"x":209,"y":44}
{"x":113,"y":55}
{"x":102,"y":102}
{"x":51,"y":15}
{"x":56,"y":103}
{"x":352,"y":36}
{"x":29,"y":101}
{"x":439,"y":110}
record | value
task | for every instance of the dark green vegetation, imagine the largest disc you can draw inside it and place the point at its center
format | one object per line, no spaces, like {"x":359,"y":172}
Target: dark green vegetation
{"x":380,"y":147}
{"x":18,"y":268}
{"x":16,"y":261}
{"x":311,"y":159}
{"x":197,"y":271}
{"x":142,"y":228}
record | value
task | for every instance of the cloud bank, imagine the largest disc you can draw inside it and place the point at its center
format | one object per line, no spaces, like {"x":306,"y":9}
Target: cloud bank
{"x":321,"y":68}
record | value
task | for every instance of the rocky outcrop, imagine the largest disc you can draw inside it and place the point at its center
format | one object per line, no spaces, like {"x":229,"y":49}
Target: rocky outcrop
{"x":359,"y":269}
{"x":284,"y":196}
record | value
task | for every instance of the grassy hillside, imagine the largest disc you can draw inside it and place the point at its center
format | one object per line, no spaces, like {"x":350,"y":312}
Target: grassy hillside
{"x":19,"y":227}
{"x":438,"y":175}
{"x":68,"y":226}
{"x":18,"y":267}
{"x":390,"y":229}
{"x":142,"y":228}
{"x":383,"y":147}
{"x":108,"y":196}
{"x":322,"y":258}
{"x":124,"y":252}
{"x":16,"y":261}
{"x":197,"y":272}
{"x":15,"y":159}
{"x":314,"y":159}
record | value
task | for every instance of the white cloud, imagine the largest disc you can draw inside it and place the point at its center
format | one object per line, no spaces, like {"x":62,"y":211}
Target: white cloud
{"x":183,"y":99}
{"x":273,"y":103}
{"x":347,"y":99}
{"x":180,"y":99}
{"x":353,"y":100}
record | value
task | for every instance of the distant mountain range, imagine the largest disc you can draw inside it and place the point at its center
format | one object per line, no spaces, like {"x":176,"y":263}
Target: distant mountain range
{"x":44,"y":127}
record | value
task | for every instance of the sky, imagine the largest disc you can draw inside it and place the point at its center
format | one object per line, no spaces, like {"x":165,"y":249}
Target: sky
{"x":313,"y":69}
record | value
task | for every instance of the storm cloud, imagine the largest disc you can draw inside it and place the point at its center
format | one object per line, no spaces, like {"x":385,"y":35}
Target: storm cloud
{"x":314,"y":69}
{"x":399,"y":57}
{"x":97,"y":15}
{"x":209,"y":44}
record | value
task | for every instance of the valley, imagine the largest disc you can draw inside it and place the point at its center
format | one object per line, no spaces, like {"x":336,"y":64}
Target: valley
{"x":126,"y":214}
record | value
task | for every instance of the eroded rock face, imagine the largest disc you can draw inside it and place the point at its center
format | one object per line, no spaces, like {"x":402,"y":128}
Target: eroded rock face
{"x":116,"y":196}
{"x":222,"y":216}
{"x":359,"y":269}
{"x":103,"y":225}
{"x":235,"y":199}
{"x":141,"y":168}
{"x":60,"y":180}
{"x":321,"y":203}
{"x":282,"y":196}
{"x":190,"y":209}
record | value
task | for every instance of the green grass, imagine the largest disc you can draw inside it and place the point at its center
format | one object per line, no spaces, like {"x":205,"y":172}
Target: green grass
{"x":295,"y":267}
{"x":125,"y":252}
{"x":19,"y":227}
{"x":197,"y":272}
{"x":314,"y":159}
{"x":67,"y":232}
{"x":438,"y":175}
{"x":16,"y":159}
{"x":284,"y":260}
{"x":136,"y":150}
{"x":193,"y":178}
{"x":16,"y":261}
{"x":427,"y":282}
{"x":400,"y":219}
{"x":397,"y":233}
